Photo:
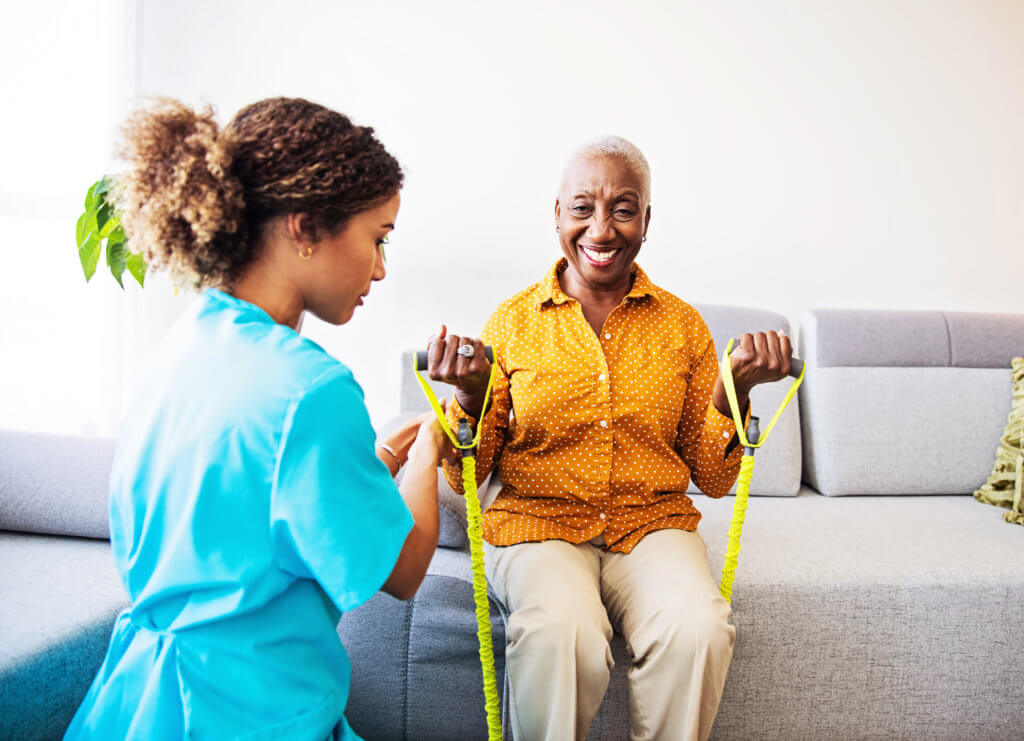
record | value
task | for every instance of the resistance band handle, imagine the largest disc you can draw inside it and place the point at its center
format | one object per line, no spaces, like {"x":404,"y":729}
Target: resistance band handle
{"x":796,"y":365}
{"x":421,"y":357}
{"x":753,"y":433}
{"x":465,"y":437}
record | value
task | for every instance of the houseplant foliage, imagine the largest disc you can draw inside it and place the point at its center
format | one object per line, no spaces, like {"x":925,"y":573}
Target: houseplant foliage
{"x":99,"y":231}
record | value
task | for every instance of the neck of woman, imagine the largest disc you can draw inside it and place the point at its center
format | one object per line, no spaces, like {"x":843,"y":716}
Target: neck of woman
{"x":597,"y":296}
{"x":268,"y":287}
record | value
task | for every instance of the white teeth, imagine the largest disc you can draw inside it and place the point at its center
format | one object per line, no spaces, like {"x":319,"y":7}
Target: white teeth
{"x":600,"y":256}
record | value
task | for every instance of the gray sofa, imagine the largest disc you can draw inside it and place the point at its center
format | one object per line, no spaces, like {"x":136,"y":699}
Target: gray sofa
{"x":875,"y":598}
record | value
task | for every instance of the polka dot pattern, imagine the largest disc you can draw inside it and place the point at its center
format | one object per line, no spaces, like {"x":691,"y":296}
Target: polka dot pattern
{"x":599,"y":433}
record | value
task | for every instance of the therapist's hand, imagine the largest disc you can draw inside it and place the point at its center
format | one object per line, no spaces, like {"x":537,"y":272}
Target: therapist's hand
{"x":469,"y":376}
{"x":401,"y":440}
{"x":431,"y":440}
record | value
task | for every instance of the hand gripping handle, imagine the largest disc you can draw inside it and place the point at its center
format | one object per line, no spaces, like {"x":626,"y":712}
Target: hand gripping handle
{"x":421,"y":357}
{"x":796,"y":365}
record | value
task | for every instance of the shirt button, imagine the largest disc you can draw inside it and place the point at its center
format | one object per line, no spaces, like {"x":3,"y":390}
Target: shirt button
{"x":607,"y":336}
{"x":603,"y":516}
{"x":604,"y":423}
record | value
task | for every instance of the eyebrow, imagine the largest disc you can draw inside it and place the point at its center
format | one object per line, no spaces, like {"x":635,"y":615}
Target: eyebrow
{"x":622,"y":193}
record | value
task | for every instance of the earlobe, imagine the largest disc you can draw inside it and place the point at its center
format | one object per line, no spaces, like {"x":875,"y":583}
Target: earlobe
{"x":299,"y":231}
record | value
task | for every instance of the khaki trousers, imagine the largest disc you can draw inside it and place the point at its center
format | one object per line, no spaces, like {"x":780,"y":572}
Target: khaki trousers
{"x":564,"y":599}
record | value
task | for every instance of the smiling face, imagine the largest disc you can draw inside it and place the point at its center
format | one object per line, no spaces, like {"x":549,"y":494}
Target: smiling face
{"x":348,"y":262}
{"x":602,"y":213}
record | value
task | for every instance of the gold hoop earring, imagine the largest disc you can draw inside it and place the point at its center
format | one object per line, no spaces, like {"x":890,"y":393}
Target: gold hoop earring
{"x":306,"y":253}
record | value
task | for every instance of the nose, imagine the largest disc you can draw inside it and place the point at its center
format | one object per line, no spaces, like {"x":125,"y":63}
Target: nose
{"x":379,"y":271}
{"x":600,"y":227}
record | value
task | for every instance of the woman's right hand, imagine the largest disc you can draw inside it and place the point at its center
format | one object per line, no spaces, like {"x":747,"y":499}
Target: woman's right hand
{"x":469,"y":376}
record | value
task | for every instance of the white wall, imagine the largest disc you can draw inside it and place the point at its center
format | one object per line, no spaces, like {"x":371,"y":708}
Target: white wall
{"x":804,"y":154}
{"x":67,"y":79}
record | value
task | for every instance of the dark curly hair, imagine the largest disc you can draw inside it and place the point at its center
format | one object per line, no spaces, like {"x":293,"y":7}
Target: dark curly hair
{"x":195,"y":199}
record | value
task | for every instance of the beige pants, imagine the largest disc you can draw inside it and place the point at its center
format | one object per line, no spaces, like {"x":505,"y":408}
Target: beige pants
{"x":660,"y":596}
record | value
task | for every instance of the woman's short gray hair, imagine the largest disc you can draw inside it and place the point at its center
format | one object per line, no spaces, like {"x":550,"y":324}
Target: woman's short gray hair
{"x":610,"y":145}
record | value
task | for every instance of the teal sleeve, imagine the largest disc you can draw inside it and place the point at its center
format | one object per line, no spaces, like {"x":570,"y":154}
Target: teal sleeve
{"x":336,"y":513}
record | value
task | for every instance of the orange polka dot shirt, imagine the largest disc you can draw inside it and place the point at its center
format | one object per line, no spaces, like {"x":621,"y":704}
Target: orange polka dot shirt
{"x":599,"y":434}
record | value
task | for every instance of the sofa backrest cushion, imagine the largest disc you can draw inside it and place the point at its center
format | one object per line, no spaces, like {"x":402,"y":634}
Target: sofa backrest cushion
{"x":55,"y":484}
{"x":904,"y":402}
{"x":778,"y":464}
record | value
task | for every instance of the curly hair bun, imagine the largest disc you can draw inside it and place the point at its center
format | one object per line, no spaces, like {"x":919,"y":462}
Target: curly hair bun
{"x":195,"y":199}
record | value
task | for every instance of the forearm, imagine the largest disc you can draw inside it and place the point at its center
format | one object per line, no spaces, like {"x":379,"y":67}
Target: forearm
{"x":419,"y":490}
{"x":388,"y":459}
{"x":473,"y":404}
{"x":394,"y":449}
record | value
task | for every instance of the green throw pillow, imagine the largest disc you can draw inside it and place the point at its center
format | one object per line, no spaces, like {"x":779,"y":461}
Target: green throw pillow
{"x":1006,"y":481}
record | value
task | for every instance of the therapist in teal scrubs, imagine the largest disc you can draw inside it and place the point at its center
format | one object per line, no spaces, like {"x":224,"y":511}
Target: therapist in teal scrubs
{"x":249,"y":505}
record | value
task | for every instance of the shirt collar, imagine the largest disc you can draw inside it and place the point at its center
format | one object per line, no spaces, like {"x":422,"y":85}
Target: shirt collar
{"x":240,"y":305}
{"x":549,"y":289}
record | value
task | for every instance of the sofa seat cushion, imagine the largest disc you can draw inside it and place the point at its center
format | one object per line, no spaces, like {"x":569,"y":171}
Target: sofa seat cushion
{"x":856,"y":617}
{"x":60,"y":597}
{"x":415,"y":664}
{"x":863,"y":617}
{"x":888,"y":615}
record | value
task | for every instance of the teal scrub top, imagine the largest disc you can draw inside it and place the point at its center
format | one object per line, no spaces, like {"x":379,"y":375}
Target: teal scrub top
{"x":247,"y":511}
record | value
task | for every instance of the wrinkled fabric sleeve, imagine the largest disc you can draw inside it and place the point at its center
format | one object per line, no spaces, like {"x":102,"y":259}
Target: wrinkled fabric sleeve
{"x":496,"y":417}
{"x":336,"y":513}
{"x":704,"y":434}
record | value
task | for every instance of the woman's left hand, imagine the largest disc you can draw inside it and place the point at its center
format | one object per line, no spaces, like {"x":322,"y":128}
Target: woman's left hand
{"x":761,"y":357}
{"x":402,"y":439}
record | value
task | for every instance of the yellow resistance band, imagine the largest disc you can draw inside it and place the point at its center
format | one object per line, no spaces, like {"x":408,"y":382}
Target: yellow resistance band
{"x":739,"y":507}
{"x":476,"y":554}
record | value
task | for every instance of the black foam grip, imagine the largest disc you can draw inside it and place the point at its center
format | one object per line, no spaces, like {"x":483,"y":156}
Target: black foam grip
{"x":421,"y":357}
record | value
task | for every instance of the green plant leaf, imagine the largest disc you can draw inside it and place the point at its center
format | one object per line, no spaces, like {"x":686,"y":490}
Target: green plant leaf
{"x":104,"y":186}
{"x":112,"y":228}
{"x":117,"y":258}
{"x":89,"y":255}
{"x":92,"y":200}
{"x":137,"y":267}
{"x":103,"y":215}
{"x":81,"y":230}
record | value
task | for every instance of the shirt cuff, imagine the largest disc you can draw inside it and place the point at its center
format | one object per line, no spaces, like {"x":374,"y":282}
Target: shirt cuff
{"x":722,"y":430}
{"x":456,"y":412}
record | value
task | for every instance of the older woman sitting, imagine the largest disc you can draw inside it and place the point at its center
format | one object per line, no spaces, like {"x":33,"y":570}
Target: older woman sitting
{"x":606,"y":403}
